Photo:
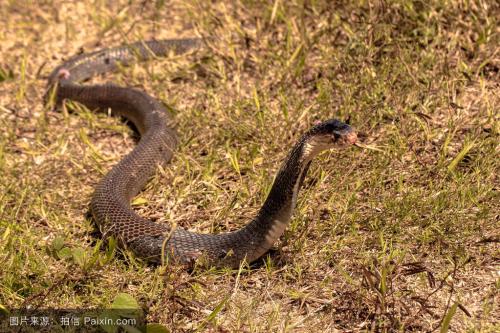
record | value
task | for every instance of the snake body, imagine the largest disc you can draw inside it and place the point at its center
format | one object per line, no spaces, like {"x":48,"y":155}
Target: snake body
{"x":110,"y":204}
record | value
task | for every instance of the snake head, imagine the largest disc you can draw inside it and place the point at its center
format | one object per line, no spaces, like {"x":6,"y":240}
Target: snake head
{"x":326,"y":135}
{"x":341,"y":134}
{"x":330,"y":134}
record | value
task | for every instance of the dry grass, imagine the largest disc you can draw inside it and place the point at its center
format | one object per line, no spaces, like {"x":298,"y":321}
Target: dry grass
{"x":382,"y":240}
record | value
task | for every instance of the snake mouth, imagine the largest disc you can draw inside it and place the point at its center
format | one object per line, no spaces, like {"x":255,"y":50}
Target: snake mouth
{"x":345,"y":137}
{"x":351,"y":137}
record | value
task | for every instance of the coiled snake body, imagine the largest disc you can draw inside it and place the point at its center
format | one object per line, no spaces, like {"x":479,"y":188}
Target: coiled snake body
{"x":110,"y":204}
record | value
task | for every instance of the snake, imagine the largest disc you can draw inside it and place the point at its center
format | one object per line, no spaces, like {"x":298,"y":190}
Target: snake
{"x":110,"y":204}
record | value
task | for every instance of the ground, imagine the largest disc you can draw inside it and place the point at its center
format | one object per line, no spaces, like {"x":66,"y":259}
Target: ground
{"x":401,"y":235}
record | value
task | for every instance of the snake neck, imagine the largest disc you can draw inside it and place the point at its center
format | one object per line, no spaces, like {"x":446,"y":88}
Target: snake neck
{"x":276,"y":212}
{"x":283,"y":194}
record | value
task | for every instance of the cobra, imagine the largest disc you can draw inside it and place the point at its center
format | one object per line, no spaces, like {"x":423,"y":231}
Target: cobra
{"x":110,"y":203}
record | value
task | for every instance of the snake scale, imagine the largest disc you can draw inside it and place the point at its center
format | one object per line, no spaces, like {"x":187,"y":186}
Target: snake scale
{"x":110,"y":204}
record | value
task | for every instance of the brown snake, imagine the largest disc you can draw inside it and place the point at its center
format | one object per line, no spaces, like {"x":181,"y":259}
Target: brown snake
{"x":110,"y":205}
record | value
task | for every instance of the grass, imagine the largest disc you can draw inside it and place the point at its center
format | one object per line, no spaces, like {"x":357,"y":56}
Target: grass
{"x":400,"y":237}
